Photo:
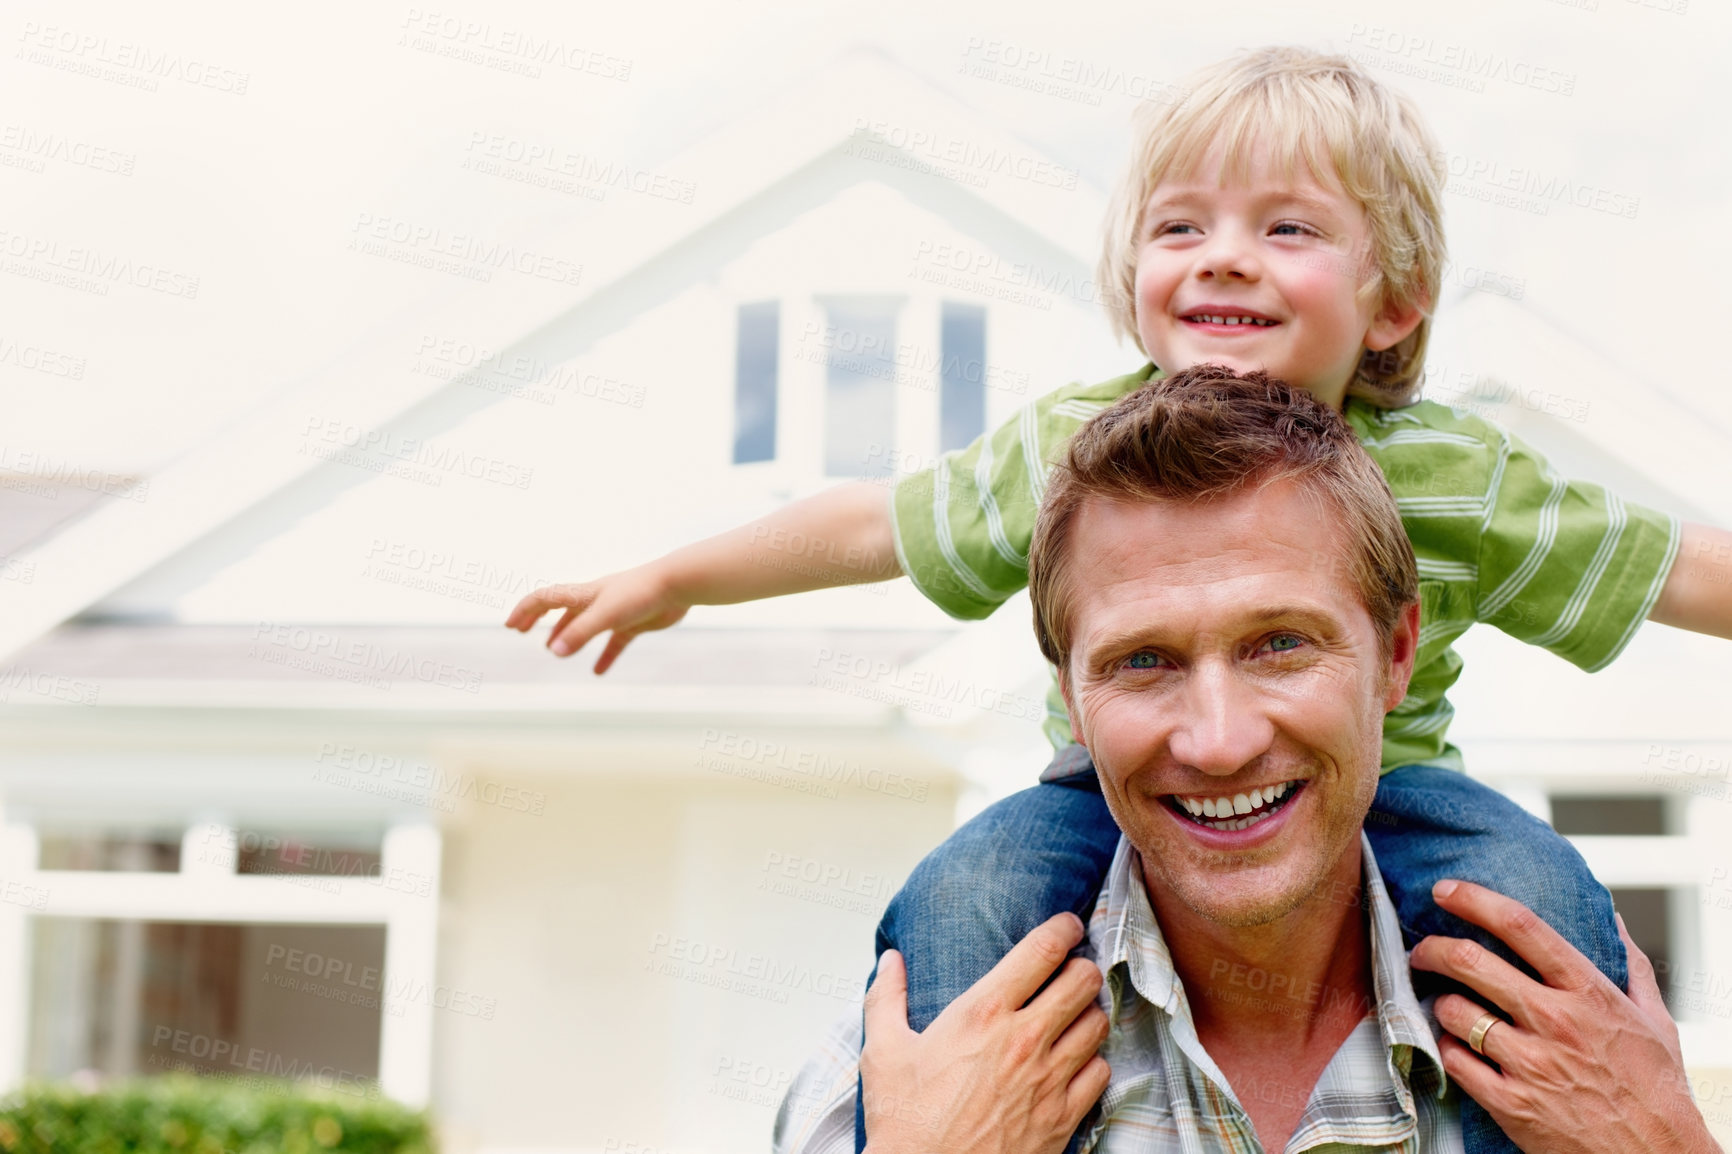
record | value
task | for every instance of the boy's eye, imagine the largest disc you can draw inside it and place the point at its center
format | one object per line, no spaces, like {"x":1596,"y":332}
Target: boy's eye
{"x":1172,"y":226}
{"x":1293,"y":228}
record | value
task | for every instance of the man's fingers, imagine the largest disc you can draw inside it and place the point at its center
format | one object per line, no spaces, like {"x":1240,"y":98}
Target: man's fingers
{"x":1645,"y":992}
{"x":1644,"y":984}
{"x":1069,"y":995}
{"x":887,"y":1000}
{"x":1502,"y":1043}
{"x":1086,"y":1088}
{"x":1081,"y":1039}
{"x":1480,"y":970}
{"x":1554,"y":959}
{"x":1477,"y":1080}
{"x":1030,"y":963}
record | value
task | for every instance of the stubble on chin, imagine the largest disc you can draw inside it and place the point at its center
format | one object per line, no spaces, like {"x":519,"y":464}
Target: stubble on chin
{"x":1236,"y":893}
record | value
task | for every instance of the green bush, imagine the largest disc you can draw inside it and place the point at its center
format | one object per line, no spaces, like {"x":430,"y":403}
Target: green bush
{"x":180,"y":1114}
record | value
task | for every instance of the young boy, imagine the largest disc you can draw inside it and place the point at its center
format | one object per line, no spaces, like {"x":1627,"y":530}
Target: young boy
{"x":1285,"y":217}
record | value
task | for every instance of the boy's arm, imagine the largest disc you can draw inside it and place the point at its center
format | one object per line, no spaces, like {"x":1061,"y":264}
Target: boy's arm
{"x":1698,"y":591}
{"x":841,"y":536}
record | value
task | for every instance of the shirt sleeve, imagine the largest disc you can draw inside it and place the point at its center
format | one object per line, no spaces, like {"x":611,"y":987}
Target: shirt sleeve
{"x":1566,"y":564}
{"x":817,"y":1115}
{"x":962,"y":527}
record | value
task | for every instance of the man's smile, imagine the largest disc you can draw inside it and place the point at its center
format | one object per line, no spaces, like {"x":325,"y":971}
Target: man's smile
{"x":1241,"y":810}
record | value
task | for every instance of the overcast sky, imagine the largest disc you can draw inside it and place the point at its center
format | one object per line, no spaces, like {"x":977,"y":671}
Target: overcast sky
{"x":238,"y":146}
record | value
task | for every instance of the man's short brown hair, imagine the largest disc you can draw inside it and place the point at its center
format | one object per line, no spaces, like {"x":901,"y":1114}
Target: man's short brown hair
{"x":1208,"y":432}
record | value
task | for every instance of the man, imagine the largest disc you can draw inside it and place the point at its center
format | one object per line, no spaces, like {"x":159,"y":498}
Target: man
{"x":1221,"y":578}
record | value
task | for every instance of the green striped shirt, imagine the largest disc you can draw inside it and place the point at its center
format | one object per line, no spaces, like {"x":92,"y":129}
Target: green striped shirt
{"x":1499,"y":537}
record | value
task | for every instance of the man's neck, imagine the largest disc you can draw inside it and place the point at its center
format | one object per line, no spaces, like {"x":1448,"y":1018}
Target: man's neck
{"x":1301,"y":980}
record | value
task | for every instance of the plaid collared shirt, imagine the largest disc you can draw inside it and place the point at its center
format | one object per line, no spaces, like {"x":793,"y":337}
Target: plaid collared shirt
{"x":1383,"y":1090}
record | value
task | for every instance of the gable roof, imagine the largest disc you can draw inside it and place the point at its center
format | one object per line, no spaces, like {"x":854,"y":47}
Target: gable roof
{"x":862,"y":119}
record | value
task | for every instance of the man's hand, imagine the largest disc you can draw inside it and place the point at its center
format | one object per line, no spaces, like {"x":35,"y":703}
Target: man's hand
{"x":1581,"y":1066}
{"x":630,"y":602}
{"x":991,"y":1075}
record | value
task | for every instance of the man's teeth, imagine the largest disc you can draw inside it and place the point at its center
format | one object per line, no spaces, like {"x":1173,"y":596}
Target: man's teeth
{"x":1227,"y":320}
{"x":1239,"y":803}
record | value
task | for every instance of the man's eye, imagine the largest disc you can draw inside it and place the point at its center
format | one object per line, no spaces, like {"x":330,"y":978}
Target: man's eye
{"x":1142,"y":661}
{"x":1284,"y":643}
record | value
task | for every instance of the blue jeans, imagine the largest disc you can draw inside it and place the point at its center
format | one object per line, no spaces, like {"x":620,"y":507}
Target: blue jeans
{"x":1046,"y":850}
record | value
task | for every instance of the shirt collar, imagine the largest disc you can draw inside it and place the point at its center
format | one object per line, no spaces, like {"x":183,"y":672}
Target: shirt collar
{"x":1124,"y":932}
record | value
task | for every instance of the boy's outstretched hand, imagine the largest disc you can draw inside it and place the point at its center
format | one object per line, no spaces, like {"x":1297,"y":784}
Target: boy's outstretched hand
{"x":629,"y":602}
{"x":841,"y":536}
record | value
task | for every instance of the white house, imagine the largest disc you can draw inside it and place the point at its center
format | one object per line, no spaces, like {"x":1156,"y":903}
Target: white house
{"x":281,"y":795}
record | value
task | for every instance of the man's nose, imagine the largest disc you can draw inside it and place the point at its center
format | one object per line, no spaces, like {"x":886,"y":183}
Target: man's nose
{"x":1221,"y":727}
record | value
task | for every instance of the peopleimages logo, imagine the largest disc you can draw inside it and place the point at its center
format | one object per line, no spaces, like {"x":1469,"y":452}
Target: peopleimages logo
{"x":723,"y":749}
{"x":433,"y":247}
{"x":962,"y":160}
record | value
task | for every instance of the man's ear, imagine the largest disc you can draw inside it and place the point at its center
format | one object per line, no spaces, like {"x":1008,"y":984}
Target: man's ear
{"x":1403,"y":651}
{"x":1394,"y":323}
{"x":1076,"y":730}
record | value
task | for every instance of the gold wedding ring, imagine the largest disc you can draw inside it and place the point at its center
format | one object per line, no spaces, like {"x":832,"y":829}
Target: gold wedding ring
{"x":1476,"y":1036}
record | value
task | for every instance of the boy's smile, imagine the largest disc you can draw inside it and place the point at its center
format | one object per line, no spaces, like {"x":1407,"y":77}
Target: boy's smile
{"x":1263,"y":272}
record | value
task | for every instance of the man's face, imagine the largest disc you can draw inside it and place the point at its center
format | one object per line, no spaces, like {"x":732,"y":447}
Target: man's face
{"x":1221,"y":654}
{"x":1289,"y":256}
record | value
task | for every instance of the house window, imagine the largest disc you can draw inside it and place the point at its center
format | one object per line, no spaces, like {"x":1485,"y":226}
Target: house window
{"x":260,"y":949}
{"x":1593,"y":815}
{"x":860,"y":386}
{"x":129,"y":998}
{"x":962,"y":380}
{"x":755,"y":376}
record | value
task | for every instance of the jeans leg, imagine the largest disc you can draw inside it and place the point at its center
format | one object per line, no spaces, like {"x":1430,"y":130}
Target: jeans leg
{"x":1429,"y":823}
{"x":1016,"y":864}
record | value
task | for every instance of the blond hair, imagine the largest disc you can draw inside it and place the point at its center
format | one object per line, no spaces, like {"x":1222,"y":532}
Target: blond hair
{"x":1205,"y":433}
{"x":1329,"y":113}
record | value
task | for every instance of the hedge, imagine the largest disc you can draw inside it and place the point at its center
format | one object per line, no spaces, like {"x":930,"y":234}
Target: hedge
{"x":180,"y":1114}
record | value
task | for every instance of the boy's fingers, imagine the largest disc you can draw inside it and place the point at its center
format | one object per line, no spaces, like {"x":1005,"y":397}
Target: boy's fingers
{"x":615,"y":646}
{"x":529,"y":610}
{"x":559,"y":629}
{"x":1031,"y":962}
{"x":887,"y":1000}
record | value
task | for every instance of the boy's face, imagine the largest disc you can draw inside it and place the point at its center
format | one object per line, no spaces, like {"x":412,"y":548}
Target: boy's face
{"x":1290,"y":254}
